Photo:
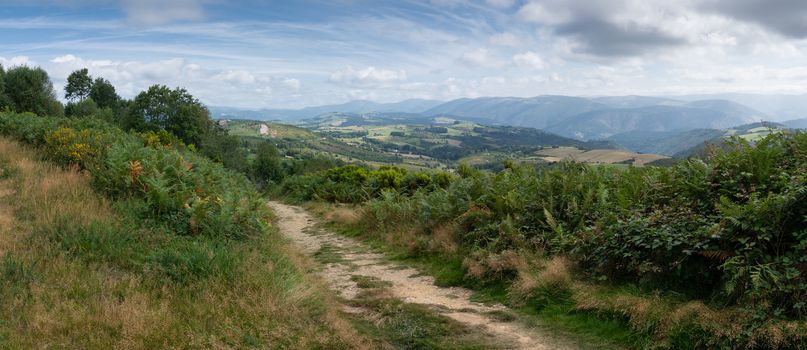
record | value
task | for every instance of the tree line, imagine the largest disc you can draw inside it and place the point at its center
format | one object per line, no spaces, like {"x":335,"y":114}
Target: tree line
{"x":158,"y":108}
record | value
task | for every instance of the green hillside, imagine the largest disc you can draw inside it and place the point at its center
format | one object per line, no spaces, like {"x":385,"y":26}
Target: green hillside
{"x":418,"y":142}
{"x":682,"y":143}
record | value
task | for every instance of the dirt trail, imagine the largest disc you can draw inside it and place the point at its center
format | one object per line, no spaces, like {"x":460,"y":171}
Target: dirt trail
{"x":407,"y":283}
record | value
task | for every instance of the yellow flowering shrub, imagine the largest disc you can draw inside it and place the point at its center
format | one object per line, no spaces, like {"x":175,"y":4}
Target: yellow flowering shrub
{"x":69,"y":146}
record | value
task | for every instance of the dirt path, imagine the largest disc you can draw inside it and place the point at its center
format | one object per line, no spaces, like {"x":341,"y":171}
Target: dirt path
{"x":407,"y":284}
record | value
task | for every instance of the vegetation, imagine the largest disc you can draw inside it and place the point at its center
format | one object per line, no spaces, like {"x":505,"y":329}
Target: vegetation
{"x":717,"y":243}
{"x":438,"y":140}
{"x":136,"y":240}
{"x":146,"y":208}
{"x":354,"y":184}
{"x":82,"y":271}
{"x":176,"y":111}
{"x":90,"y":97}
{"x":28,"y":89}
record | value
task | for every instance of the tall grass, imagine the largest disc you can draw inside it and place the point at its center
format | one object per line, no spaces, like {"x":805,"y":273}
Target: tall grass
{"x":81,"y":271}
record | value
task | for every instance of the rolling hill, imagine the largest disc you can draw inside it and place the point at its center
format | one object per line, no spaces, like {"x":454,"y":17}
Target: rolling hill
{"x":778,"y":107}
{"x":537,"y":112}
{"x":714,"y":114}
{"x":664,"y":142}
{"x":796,"y":123}
{"x":359,"y":106}
{"x":682,"y":143}
{"x":576,"y":117}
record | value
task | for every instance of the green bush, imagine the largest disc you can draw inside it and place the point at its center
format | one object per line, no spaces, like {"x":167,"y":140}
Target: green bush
{"x":731,"y":229}
{"x":186,"y":191}
{"x":354,"y":184}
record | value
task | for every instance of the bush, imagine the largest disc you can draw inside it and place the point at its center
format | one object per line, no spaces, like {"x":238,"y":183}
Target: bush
{"x":183,"y":190}
{"x":354,"y":184}
{"x":732,"y":229}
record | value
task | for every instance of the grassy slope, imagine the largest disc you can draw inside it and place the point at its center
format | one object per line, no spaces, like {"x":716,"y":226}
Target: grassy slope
{"x":494,"y":137}
{"x":301,"y":140}
{"x":79,"y":271}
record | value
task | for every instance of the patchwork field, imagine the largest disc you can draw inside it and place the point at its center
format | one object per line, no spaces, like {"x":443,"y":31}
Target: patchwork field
{"x":431,"y":143}
{"x":598,"y":156}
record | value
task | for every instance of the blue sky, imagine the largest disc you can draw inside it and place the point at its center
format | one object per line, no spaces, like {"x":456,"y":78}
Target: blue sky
{"x":297,"y":53}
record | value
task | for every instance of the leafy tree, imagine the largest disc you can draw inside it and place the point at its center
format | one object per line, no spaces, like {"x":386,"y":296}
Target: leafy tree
{"x":176,"y":111}
{"x":79,"y":84}
{"x":30,"y":90}
{"x":4,"y":102}
{"x":104,"y":95}
{"x":267,"y":164}
{"x":83,"y":108}
{"x":224,"y":149}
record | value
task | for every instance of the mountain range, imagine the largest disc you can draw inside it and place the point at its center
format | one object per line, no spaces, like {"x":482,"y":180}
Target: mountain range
{"x":583,"y":118}
{"x":682,"y":143}
{"x":358,"y":106}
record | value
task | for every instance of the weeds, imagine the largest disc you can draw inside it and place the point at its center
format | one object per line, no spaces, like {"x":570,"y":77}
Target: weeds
{"x":81,"y":271}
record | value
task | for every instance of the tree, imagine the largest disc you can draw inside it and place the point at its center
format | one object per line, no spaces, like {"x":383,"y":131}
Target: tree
{"x":30,"y":90}
{"x":103,"y":93}
{"x":267,"y":165}
{"x":83,"y":108}
{"x":78,"y":86}
{"x":176,"y":111}
{"x":4,"y":102}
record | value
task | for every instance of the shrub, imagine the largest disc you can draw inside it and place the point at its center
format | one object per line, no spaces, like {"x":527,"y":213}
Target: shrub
{"x":183,"y":190}
{"x":731,"y":229}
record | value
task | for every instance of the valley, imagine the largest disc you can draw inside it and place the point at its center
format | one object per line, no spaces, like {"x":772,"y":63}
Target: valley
{"x":417,"y":142}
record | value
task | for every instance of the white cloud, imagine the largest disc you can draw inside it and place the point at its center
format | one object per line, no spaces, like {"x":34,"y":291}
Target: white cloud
{"x":236,"y":77}
{"x":291,"y":83}
{"x":539,"y":12}
{"x":480,"y":57}
{"x":156,"y":12}
{"x":500,"y":3}
{"x":447,"y":3}
{"x":506,"y":39}
{"x":231,"y":87}
{"x":16,"y":61}
{"x":368,"y":77}
{"x":529,"y":59}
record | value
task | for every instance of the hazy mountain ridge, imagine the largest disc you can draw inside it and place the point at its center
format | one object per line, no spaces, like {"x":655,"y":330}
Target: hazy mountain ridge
{"x":682,"y":143}
{"x":583,"y":118}
{"x":537,"y":112}
{"x":712,"y":114}
{"x":664,"y":142}
{"x":797,"y":123}
{"x":779,"y":108}
{"x":358,"y":106}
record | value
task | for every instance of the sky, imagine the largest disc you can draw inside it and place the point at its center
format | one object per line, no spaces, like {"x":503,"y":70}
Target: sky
{"x":290,"y":54}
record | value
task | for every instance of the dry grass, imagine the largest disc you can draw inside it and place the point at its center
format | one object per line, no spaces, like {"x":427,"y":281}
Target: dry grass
{"x":58,"y":297}
{"x":444,"y":239}
{"x":343,"y":216}
{"x":556,"y":273}
{"x":534,"y":273}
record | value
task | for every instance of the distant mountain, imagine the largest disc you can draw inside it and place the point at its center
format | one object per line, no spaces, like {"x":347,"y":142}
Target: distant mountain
{"x":681,"y":144}
{"x":708,"y":114}
{"x":666,"y":143}
{"x":537,"y":112}
{"x":797,"y":123}
{"x":577,"y":117}
{"x":634,"y":101}
{"x":777,"y":107}
{"x":359,"y":106}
